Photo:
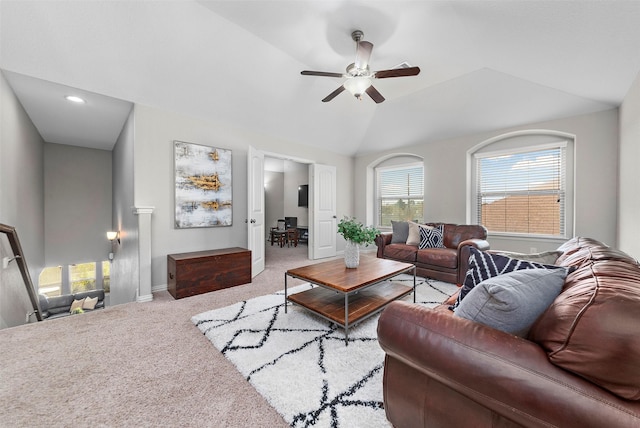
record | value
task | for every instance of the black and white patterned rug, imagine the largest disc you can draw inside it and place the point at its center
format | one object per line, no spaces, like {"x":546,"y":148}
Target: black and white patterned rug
{"x":299,"y":362}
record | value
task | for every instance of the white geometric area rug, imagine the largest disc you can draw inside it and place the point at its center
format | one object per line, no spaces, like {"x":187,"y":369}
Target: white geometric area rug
{"x":299,"y":362}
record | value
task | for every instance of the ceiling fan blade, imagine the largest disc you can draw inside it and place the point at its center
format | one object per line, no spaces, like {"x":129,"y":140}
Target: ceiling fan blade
{"x":333,"y":94}
{"x":397,"y":72}
{"x":320,"y":73}
{"x":363,"y":54}
{"x":374,"y":94}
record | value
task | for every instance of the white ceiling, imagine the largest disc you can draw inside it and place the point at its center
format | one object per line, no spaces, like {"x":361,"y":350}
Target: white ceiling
{"x":485,"y":65}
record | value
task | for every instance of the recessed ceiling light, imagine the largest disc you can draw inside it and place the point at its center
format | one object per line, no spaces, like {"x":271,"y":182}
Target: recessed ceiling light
{"x":75,"y":99}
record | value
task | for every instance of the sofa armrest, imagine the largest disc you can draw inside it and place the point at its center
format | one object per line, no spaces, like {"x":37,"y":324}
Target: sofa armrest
{"x":504,"y":373}
{"x":382,"y":240}
{"x":464,"y":253}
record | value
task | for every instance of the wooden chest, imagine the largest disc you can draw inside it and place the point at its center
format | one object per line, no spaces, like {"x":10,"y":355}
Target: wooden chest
{"x":199,"y":272}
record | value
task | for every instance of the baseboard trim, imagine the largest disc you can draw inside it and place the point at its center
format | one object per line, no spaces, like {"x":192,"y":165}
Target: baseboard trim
{"x":145,"y":298}
{"x":158,"y":288}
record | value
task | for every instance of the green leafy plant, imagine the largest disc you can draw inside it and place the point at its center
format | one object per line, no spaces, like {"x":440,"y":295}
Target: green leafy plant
{"x":353,"y":230}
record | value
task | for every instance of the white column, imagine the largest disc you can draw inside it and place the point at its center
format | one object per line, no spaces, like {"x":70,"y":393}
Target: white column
{"x":144,"y":293}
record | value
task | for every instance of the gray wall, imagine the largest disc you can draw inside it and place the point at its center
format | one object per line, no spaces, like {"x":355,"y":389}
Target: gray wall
{"x":77,"y":204}
{"x":295,"y":174}
{"x":596,"y":166}
{"x":155,"y":131}
{"x":125,"y":268}
{"x":273,"y":198}
{"x":21,"y":202}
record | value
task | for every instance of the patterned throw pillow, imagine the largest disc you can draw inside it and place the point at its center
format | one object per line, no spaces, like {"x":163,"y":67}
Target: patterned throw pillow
{"x":431,"y":237}
{"x":483,"y":265}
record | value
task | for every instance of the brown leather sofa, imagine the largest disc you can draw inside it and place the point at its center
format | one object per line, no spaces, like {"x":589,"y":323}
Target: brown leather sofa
{"x":438,"y":263}
{"x":578,"y":367}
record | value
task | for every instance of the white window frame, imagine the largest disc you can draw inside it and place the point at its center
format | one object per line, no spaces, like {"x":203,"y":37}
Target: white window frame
{"x":378,"y":197}
{"x":519,"y":142}
{"x":65,"y":280}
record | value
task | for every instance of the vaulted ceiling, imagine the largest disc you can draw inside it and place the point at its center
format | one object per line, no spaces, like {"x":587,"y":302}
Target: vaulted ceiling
{"x":485,"y":65}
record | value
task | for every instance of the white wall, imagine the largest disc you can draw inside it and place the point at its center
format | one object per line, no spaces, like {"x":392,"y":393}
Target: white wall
{"x":125,"y":268}
{"x":155,"y":131}
{"x":629,"y":175}
{"x":77,"y":204}
{"x":21,"y":202}
{"x":596,"y":166}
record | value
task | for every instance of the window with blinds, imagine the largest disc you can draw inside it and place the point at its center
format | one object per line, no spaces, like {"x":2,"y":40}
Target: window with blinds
{"x":400,"y":194}
{"x":522,"y":192}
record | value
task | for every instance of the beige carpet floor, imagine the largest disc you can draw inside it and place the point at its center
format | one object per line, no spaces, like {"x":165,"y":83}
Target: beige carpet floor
{"x":137,"y":364}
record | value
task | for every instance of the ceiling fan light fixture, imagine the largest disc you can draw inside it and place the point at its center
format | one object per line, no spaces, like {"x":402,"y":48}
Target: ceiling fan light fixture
{"x":357,"y":85}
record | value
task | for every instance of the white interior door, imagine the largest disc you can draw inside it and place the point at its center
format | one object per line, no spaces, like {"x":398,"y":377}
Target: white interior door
{"x":323,"y":190}
{"x":255,"y":208}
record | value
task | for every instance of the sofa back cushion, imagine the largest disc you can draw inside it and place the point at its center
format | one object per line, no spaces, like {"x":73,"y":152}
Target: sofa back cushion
{"x":454,"y":234}
{"x":91,"y":293}
{"x":591,"y":328}
{"x":59,"y":304}
{"x":573,"y":245}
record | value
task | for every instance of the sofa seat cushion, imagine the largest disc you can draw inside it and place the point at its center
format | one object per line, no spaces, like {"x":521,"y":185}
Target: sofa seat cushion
{"x":402,"y":252}
{"x":591,"y":329}
{"x":444,"y":257}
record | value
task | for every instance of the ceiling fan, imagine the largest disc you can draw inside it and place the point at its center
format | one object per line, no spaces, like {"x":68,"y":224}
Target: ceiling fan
{"x":359,"y":76}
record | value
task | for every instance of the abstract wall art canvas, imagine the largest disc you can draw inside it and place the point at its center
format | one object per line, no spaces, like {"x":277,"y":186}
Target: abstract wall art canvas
{"x":203,"y":196}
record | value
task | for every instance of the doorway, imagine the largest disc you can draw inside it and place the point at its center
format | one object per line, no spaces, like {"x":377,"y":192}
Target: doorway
{"x":284,"y":183}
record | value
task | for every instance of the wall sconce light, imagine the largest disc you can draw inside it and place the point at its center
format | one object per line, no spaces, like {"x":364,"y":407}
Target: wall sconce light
{"x":111,"y":236}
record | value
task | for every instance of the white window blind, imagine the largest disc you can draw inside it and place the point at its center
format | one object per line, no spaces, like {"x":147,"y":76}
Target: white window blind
{"x":400,"y":193}
{"x":522,"y":192}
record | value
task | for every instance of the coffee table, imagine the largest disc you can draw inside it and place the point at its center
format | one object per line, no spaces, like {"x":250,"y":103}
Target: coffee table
{"x":349,"y":296}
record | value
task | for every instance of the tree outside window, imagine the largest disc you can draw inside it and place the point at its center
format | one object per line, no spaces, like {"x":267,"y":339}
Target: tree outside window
{"x":82,"y":277}
{"x":400,"y":193}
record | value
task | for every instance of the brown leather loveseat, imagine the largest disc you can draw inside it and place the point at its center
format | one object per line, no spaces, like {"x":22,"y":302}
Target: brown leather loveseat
{"x":441,"y":263}
{"x":579,"y":365}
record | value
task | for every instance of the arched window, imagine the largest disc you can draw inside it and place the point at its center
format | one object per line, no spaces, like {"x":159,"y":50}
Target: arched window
{"x":399,"y":190}
{"x":519,"y":184}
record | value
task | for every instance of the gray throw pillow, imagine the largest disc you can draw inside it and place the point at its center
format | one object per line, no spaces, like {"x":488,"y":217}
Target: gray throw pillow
{"x":400,"y":232}
{"x":513,"y":302}
{"x":546,"y":258}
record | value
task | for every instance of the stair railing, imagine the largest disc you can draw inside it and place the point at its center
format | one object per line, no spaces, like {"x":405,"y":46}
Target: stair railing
{"x":18,"y":256}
